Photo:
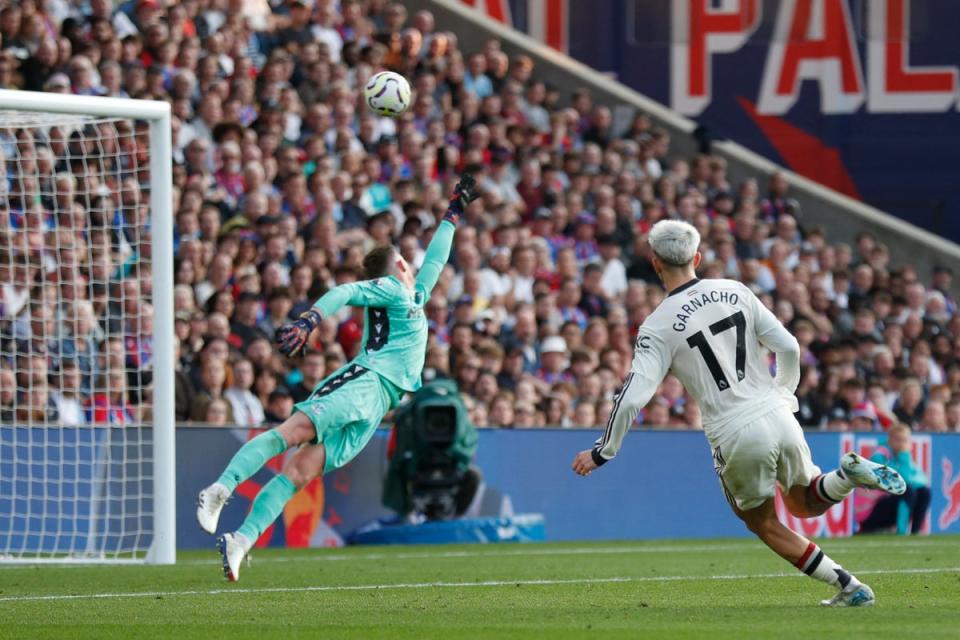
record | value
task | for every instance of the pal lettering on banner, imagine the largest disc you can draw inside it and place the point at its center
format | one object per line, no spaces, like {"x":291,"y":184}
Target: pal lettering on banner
{"x":812,"y":40}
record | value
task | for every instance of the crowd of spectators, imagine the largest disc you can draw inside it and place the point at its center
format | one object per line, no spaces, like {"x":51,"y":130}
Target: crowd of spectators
{"x":283,"y":180}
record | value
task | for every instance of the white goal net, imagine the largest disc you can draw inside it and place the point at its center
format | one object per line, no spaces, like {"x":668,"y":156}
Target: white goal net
{"x":81,"y":424}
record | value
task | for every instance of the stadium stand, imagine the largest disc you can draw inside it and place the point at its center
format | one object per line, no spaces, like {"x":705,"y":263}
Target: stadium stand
{"x":283,"y":180}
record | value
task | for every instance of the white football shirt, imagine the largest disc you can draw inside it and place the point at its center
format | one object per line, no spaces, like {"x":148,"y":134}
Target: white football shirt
{"x":714,"y":335}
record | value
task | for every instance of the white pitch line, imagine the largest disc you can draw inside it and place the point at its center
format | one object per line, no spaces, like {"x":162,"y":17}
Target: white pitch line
{"x":442,"y":585}
{"x":528,"y":550}
{"x":525,"y":552}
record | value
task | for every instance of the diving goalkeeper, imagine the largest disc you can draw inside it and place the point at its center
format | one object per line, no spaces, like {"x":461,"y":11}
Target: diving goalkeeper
{"x":341,"y":415}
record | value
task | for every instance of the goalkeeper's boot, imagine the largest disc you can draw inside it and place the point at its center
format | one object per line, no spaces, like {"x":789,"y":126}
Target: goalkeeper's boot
{"x":233,"y":547}
{"x":860,"y":596}
{"x":209,"y":504}
{"x":871,"y":475}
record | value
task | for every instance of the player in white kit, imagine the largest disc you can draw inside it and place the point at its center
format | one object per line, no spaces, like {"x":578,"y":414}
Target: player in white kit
{"x":715,"y":336}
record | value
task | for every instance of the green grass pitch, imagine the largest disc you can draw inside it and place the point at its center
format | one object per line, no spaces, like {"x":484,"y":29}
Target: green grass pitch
{"x":665,"y":589}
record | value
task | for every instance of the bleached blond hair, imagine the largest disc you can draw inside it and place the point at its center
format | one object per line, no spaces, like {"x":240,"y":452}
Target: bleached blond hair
{"x":674,"y":242}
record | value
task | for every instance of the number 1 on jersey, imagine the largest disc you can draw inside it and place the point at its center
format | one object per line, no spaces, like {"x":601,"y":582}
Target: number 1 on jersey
{"x":699,"y":341}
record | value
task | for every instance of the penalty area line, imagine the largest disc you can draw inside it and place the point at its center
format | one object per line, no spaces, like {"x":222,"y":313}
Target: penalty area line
{"x":438,"y":585}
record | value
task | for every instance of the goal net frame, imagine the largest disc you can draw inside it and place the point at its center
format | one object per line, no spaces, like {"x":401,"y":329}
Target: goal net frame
{"x":162,"y":546}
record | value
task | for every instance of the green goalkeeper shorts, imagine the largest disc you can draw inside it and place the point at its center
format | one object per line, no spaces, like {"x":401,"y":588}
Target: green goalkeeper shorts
{"x":346,"y":409}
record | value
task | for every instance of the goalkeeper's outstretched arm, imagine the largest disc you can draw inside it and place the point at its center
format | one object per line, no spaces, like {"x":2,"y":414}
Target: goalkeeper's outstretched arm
{"x":438,"y":251}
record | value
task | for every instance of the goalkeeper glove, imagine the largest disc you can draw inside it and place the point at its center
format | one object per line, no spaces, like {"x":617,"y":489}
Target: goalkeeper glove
{"x":463,"y":194}
{"x":292,"y":337}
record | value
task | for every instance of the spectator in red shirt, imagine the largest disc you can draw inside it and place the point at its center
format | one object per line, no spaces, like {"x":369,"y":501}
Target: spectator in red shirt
{"x":108,"y":404}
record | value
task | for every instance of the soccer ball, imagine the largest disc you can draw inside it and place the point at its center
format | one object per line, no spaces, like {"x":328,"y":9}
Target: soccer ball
{"x":387,"y":93}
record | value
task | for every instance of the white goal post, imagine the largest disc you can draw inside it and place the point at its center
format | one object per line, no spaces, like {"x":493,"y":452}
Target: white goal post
{"x":86,"y":324}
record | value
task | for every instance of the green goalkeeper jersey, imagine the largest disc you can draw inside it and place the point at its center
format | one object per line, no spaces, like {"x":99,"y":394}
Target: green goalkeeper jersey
{"x":395,"y":333}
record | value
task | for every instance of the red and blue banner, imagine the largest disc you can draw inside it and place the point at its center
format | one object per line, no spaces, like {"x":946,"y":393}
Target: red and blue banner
{"x":859,"y":95}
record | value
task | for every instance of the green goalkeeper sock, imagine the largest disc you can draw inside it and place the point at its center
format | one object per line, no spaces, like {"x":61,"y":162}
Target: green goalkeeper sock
{"x":266,"y":507}
{"x":251,"y":457}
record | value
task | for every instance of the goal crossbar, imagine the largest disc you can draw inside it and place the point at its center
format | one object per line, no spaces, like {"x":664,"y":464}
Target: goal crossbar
{"x":85,"y":105}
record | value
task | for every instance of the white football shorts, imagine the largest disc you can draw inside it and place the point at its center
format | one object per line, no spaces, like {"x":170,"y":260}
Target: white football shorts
{"x":769,"y":450}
